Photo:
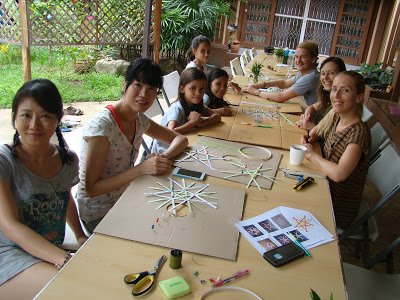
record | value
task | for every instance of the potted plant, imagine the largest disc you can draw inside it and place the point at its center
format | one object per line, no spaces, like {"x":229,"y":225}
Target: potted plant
{"x":278,"y":52}
{"x":255,"y":70}
{"x":377,"y":78}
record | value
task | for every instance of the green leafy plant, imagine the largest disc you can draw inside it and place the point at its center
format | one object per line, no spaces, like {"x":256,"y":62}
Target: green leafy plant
{"x":181,"y":20}
{"x":315,"y":296}
{"x":255,"y":69}
{"x":376,"y":77}
{"x":278,"y":52}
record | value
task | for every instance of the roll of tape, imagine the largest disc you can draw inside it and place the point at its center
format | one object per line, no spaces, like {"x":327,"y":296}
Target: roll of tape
{"x":175,"y":260}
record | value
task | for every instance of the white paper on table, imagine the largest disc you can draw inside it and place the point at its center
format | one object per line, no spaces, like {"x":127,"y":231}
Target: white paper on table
{"x":270,"y":229}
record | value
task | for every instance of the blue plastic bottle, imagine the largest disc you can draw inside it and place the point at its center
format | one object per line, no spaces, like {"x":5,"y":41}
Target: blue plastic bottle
{"x":285,"y":55}
{"x":290,"y":61}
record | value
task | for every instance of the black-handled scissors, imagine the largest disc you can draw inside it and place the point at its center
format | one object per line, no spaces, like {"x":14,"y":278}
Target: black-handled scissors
{"x":143,"y":282}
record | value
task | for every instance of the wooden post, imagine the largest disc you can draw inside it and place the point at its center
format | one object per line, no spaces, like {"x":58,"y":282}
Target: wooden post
{"x":378,"y":32}
{"x":157,"y":30}
{"x":146,"y":30}
{"x":26,"y":52}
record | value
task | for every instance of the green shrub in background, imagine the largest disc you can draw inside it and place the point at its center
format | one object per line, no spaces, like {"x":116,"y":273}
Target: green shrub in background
{"x":56,"y":64}
{"x":182,"y":20}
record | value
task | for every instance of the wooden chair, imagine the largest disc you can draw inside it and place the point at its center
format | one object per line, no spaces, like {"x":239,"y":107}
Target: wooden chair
{"x":170,"y":87}
{"x":384,"y":173}
{"x":236,"y":68}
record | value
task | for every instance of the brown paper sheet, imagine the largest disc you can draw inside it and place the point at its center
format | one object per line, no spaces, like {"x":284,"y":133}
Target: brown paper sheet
{"x":212,"y":163}
{"x":209,"y":232}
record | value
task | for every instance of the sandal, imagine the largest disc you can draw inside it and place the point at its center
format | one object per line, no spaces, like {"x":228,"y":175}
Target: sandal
{"x":70,"y":110}
{"x":65,"y":129}
{"x":65,"y":124}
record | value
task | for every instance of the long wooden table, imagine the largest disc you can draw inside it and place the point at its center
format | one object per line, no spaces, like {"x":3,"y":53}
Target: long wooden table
{"x":236,"y":128}
{"x":96,"y":271}
{"x":271,"y":67}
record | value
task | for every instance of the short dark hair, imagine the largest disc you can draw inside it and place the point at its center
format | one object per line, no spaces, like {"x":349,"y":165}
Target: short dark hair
{"x":145,"y":71}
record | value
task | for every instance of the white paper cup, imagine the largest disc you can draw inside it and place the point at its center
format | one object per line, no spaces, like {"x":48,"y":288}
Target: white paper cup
{"x":297,"y":153}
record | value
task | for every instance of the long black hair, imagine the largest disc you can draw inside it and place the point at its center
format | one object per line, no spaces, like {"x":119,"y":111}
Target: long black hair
{"x":211,"y":76}
{"x":46,"y":94}
{"x":195,"y":43}
{"x":188,"y":75}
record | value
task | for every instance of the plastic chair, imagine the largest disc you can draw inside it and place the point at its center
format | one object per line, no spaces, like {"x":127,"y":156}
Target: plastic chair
{"x":367,"y":114}
{"x":384,"y":173}
{"x":378,"y":137}
{"x":170,"y":87}
{"x":236,"y":67}
{"x":253,"y":53}
{"x":243,"y":63}
{"x":247,"y":54}
{"x":155,"y":110}
{"x":369,"y":285}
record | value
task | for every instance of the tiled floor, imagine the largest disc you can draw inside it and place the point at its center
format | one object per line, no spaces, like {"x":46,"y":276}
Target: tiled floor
{"x":387,"y":220}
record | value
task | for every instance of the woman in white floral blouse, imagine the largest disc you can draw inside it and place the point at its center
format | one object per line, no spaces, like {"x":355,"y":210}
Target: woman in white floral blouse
{"x":111,"y":142}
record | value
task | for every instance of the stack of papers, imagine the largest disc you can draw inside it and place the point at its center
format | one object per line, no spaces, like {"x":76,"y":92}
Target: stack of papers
{"x":273,"y":228}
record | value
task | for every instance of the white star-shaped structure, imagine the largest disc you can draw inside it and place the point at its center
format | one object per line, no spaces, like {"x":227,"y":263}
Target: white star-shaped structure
{"x":181,"y":194}
{"x":200,"y":155}
{"x":253,"y":174}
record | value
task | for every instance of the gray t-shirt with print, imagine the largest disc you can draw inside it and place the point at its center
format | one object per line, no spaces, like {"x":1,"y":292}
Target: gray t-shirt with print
{"x":306,"y":86}
{"x":42,"y":205}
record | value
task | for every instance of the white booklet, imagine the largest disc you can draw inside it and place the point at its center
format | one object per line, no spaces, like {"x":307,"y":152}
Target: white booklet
{"x":273,"y":228}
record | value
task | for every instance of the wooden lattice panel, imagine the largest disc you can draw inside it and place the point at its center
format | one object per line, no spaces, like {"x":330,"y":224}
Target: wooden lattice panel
{"x":88,"y":22}
{"x":10,"y":22}
{"x":83,"y":22}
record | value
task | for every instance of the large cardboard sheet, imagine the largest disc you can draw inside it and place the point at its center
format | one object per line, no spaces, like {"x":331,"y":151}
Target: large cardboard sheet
{"x":256,"y":135}
{"x":220,"y":158}
{"x":277,"y":136}
{"x":209,"y":231}
{"x":220,"y":130}
{"x":290,"y":133}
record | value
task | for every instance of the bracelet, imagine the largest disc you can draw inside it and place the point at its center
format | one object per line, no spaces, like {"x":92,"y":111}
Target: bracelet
{"x":67,"y":258}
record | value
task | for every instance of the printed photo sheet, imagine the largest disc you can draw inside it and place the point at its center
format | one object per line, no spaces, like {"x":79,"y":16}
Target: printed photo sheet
{"x":275,"y":227}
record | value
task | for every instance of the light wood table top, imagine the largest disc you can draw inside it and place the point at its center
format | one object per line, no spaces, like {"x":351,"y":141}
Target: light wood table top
{"x":236,"y":128}
{"x":98,"y":268}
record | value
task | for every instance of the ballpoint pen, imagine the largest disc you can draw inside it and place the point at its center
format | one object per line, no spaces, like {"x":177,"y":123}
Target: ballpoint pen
{"x":231,"y":278}
{"x":294,"y":240}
